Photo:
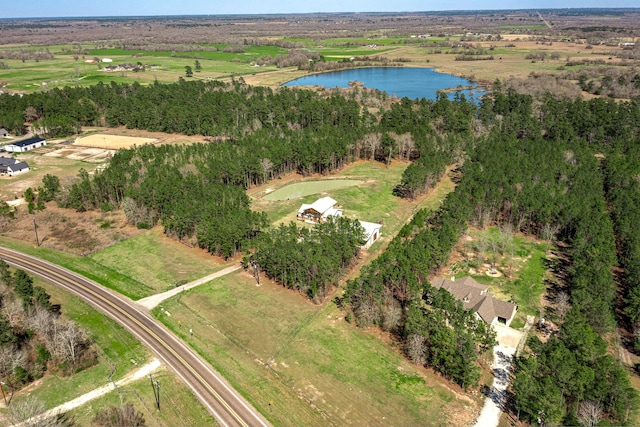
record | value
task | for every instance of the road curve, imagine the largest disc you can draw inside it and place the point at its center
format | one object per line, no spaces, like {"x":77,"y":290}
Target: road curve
{"x":223,"y":402}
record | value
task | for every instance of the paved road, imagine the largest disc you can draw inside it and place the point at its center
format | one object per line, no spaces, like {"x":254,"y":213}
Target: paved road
{"x":220,"y":399}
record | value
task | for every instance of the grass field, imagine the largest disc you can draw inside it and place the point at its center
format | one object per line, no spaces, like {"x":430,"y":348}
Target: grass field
{"x":302,"y":364}
{"x":165,"y":262}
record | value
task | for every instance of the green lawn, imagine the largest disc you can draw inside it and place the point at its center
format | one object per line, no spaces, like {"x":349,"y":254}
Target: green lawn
{"x":302,"y":364}
{"x":164,"y":264}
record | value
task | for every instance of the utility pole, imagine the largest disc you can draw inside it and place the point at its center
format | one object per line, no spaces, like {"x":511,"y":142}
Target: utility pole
{"x":35,"y":228}
{"x":156,"y":391}
{"x":4,"y":396}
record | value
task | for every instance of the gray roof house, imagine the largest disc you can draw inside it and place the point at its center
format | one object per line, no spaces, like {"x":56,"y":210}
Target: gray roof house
{"x":3,"y":133}
{"x":10,"y":166}
{"x":25,"y":145}
{"x":474,"y":296}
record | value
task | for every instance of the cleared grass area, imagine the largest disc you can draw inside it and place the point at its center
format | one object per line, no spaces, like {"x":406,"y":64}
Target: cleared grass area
{"x":160,"y":263}
{"x":302,"y":364}
{"x":85,"y":266}
{"x":178,"y":406}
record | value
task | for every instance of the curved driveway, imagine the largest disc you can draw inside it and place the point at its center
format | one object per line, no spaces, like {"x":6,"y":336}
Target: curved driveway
{"x":220,"y":399}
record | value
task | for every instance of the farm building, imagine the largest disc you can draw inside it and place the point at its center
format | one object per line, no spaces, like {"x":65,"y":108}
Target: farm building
{"x":475,"y":296}
{"x":372,"y":232}
{"x":3,"y":133}
{"x":319,"y":211}
{"x":10,"y":166}
{"x":25,"y":145}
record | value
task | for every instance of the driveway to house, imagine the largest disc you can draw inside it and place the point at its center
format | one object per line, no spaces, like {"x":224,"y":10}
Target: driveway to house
{"x":154,"y":300}
{"x":508,"y":341}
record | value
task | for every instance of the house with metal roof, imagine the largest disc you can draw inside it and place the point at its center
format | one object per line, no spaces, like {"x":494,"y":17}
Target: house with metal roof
{"x":474,"y":296}
{"x":25,"y":145}
{"x":319,"y":211}
{"x":10,"y":166}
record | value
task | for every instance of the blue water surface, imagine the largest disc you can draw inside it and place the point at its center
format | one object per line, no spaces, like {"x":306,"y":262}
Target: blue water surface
{"x":414,"y":83}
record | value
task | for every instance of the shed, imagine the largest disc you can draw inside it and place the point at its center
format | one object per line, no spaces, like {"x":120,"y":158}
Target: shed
{"x":25,"y":145}
{"x":372,"y":232}
{"x":3,"y":133}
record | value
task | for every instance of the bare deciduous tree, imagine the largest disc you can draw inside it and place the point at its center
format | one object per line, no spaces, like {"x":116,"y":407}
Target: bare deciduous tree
{"x":414,"y":348}
{"x":589,"y":413}
{"x":70,"y":341}
{"x":392,"y":313}
{"x":562,"y":304}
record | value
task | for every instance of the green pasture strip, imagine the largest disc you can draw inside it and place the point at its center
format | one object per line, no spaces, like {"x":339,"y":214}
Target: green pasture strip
{"x":156,"y":261}
{"x":302,"y":364}
{"x":117,"y":350}
{"x":364,"y":41}
{"x":84,"y":266}
{"x":178,"y":406}
{"x":348,"y":52}
{"x":252,"y":51}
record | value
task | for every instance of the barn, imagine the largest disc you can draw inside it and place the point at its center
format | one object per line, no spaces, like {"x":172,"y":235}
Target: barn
{"x":25,"y":145}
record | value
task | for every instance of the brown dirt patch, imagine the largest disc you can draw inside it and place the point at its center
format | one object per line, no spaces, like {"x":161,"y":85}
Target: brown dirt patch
{"x":69,"y":231}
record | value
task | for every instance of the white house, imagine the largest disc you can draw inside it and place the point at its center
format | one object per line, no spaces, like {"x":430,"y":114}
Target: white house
{"x":372,"y":232}
{"x":25,"y":145}
{"x":319,"y":211}
{"x":10,"y":166}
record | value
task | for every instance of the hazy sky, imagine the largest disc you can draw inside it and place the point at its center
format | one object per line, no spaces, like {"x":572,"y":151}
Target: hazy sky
{"x":56,"y":8}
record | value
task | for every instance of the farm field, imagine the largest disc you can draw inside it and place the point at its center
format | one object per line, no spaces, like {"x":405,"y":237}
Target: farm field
{"x":302,"y":364}
{"x":110,"y":142}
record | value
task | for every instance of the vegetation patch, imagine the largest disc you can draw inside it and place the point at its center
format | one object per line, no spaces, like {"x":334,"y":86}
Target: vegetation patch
{"x":303,"y":364}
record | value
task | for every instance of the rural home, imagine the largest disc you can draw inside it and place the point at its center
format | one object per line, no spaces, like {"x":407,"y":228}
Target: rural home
{"x":3,"y":133}
{"x":319,"y":211}
{"x":10,"y":166}
{"x":372,"y":232}
{"x":25,"y":145}
{"x":475,"y":296}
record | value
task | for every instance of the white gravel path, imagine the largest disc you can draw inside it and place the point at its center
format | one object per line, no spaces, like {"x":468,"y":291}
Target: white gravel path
{"x":493,"y":404}
{"x":101,"y":391}
{"x":154,"y":300}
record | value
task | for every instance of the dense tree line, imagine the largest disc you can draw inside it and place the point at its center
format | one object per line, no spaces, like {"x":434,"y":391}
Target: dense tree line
{"x":311,"y":260}
{"x":622,"y":169}
{"x":33,"y":336}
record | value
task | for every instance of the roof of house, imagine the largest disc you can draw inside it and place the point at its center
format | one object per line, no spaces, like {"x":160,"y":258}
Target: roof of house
{"x":26,"y":142}
{"x":475,"y":296}
{"x":19,"y":166}
{"x":6,"y":161}
{"x":321,"y":205}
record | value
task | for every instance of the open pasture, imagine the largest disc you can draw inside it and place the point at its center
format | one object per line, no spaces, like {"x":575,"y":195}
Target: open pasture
{"x":113,"y":142}
{"x":301,"y":189}
{"x":302,"y":364}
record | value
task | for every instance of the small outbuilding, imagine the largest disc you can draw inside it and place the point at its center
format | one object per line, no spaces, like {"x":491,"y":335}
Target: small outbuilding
{"x":372,"y":232}
{"x":25,"y":145}
{"x":3,"y":133}
{"x":319,"y":211}
{"x":10,"y":166}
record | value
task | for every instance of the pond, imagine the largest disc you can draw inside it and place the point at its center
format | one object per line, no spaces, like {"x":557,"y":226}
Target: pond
{"x":414,"y":83}
{"x":301,"y":189}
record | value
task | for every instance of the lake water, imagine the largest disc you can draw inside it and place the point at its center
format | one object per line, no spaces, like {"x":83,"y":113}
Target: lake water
{"x":414,"y":83}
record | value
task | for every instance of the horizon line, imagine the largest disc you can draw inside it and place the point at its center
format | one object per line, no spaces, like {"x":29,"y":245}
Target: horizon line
{"x":204,"y":15}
